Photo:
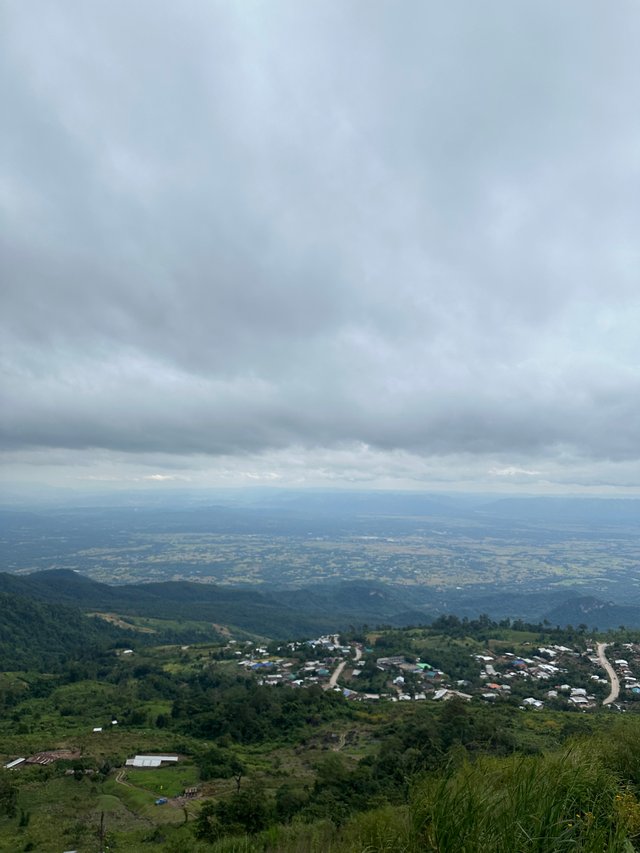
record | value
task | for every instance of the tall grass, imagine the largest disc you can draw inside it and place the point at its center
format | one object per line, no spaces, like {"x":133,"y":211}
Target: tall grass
{"x":552,"y":803}
{"x":539,"y":804}
{"x":619,"y":749}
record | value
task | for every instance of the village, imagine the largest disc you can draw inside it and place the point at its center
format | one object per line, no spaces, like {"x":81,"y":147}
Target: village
{"x":553,"y":677}
{"x":557,"y":677}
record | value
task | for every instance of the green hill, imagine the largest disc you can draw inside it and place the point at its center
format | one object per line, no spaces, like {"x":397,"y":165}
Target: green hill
{"x":36,"y":635}
{"x":279,"y":613}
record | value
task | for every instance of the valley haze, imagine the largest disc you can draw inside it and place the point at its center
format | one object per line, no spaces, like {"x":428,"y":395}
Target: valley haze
{"x":340,"y":558}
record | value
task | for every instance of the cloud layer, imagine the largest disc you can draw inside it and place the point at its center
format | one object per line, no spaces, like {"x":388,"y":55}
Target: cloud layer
{"x":384,"y":244}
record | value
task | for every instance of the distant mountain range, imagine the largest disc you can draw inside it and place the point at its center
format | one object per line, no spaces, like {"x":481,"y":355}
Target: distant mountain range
{"x":594,"y":613}
{"x":602,"y":511}
{"x":59,"y":598}
{"x":279,"y":614}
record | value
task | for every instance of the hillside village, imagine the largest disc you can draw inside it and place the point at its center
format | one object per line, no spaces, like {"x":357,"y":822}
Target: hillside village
{"x":211,"y":725}
{"x":555,"y":676}
{"x":532,"y":677}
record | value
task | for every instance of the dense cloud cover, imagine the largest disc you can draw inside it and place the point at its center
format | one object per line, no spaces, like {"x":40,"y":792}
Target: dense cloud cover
{"x":322,"y":241}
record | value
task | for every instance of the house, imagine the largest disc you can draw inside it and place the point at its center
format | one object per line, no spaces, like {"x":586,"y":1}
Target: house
{"x":390,"y":662}
{"x":15,"y":763}
{"x":43,"y":759}
{"x":151,"y":760}
{"x":444,"y":694}
{"x":579,"y":700}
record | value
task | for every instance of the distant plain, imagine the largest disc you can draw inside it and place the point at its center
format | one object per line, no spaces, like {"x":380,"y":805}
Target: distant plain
{"x":509,"y":555}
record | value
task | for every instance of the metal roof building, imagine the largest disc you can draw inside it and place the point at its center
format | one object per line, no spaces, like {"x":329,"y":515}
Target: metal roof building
{"x":150,"y":760}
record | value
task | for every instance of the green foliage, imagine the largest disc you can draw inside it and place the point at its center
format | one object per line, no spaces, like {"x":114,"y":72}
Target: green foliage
{"x":43,"y":637}
{"x":303,"y":770}
{"x":290,"y":799}
{"x":538,"y":803}
{"x":215,"y":705}
{"x":218,"y":763}
{"x":246,"y":811}
{"x":619,"y":749}
{"x":383,"y":830}
{"x":8,"y":795}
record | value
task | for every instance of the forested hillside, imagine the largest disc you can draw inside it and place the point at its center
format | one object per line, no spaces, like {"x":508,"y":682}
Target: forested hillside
{"x":378,"y":740}
{"x":39,"y":636}
{"x":275,"y":613}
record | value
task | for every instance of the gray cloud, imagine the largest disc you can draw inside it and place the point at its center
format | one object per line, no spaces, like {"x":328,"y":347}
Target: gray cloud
{"x":278,"y":231}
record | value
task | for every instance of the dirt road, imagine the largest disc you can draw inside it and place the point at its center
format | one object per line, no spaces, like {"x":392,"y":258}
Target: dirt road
{"x":335,"y":675}
{"x":337,"y":672}
{"x":613,"y":678}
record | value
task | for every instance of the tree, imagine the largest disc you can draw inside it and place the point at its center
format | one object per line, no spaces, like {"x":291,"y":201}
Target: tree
{"x":290,"y":799}
{"x":246,"y":811}
{"x":217,"y":763}
{"x":206,"y":826}
{"x":8,"y":796}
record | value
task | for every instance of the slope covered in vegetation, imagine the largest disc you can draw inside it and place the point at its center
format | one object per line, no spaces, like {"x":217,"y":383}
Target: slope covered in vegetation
{"x":39,"y":636}
{"x":302,"y":769}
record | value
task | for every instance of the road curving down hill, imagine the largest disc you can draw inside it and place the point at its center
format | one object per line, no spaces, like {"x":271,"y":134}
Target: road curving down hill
{"x":613,"y":678}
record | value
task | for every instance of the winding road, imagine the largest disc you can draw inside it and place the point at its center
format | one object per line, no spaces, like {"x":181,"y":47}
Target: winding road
{"x":613,"y":678}
{"x":121,"y":779}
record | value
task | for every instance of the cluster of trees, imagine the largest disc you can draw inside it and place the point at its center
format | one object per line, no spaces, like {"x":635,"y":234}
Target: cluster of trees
{"x":582,"y":796}
{"x":45,"y":637}
{"x":426,"y":741}
{"x":217,"y":704}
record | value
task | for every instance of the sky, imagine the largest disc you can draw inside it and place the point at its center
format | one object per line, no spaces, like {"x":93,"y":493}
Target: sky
{"x":343,"y":244}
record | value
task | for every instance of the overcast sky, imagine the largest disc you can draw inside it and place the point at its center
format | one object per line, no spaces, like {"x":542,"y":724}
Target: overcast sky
{"x":328,"y":243}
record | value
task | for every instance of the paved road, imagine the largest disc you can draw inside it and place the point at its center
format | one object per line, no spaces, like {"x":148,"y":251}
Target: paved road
{"x":337,"y":672}
{"x":613,"y":678}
